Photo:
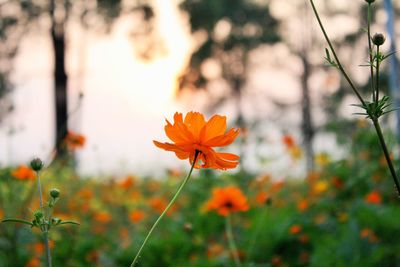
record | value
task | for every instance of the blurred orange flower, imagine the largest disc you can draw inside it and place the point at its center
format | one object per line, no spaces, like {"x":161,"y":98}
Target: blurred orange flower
{"x":159,"y":204}
{"x":373,"y":198}
{"x":85,"y":193}
{"x":295,"y":229}
{"x":368,"y":234}
{"x":127,"y":182}
{"x":288,"y":140}
{"x":195,"y":134}
{"x":262,"y":197}
{"x":102,"y":217}
{"x":33,"y":262}
{"x":302,"y":205}
{"x":214,"y":250}
{"x":337,"y":182}
{"x":74,"y":140}
{"x":23,"y":173}
{"x":227,"y":200}
{"x":136,"y":216}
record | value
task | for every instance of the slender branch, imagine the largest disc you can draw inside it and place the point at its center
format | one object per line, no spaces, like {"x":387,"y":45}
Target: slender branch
{"x":47,"y":246}
{"x":335,"y":56}
{"x":377,"y":75}
{"x":231,"y":241}
{"x":370,"y":51}
{"x":387,"y":155}
{"x":39,"y":190}
{"x":135,"y":260}
{"x":44,"y":227}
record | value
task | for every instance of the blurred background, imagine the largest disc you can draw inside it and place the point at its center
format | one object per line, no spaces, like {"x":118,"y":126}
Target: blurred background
{"x":86,"y":85}
{"x":112,"y":71}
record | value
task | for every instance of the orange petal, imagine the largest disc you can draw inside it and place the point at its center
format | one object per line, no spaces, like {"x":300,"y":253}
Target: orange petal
{"x":168,"y":146}
{"x":223,"y":140}
{"x":226,"y":161}
{"x":216,"y":126}
{"x":194,"y":121}
{"x":175,"y":133}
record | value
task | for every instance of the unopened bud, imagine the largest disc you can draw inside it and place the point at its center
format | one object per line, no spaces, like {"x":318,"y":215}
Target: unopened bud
{"x":54,"y":193}
{"x":378,"y":39}
{"x":37,"y":164}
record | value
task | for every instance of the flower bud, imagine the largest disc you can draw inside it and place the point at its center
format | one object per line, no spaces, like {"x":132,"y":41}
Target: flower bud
{"x":378,"y":39}
{"x":38,"y":215}
{"x":37,"y":164}
{"x":54,"y":193}
{"x":369,"y":1}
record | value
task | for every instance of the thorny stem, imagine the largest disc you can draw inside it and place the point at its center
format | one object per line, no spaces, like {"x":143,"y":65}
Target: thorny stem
{"x":386,"y":153}
{"x":336,"y":57}
{"x":231,"y":241}
{"x":44,"y":227}
{"x":135,"y":260}
{"x":374,"y":118}
{"x":370,"y":51}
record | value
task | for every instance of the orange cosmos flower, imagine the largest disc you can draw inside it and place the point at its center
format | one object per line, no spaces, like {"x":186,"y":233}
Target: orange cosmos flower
{"x":136,"y":216}
{"x":23,"y":173}
{"x":227,"y":200}
{"x":102,"y":217}
{"x":74,"y":140}
{"x":33,"y":262}
{"x":373,"y":198}
{"x":195,"y":134}
{"x":295,"y":229}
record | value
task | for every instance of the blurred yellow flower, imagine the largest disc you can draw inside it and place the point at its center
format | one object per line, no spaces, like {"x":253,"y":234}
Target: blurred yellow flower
{"x":320,"y":187}
{"x":322,"y":159}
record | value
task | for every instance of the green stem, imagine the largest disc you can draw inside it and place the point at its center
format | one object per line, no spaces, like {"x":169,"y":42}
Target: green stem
{"x":377,"y":75}
{"x":135,"y":260}
{"x":387,"y":155}
{"x":44,"y":228}
{"x":39,"y":190}
{"x":47,"y":246}
{"x":231,"y":241}
{"x":371,"y":63}
{"x":335,"y":56}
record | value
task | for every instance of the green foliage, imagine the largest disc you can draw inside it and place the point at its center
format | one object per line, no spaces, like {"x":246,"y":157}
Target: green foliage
{"x":350,"y":217}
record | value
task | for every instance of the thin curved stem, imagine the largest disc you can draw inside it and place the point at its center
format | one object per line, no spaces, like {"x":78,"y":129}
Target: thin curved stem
{"x":135,"y":260}
{"x":387,"y":155}
{"x":231,"y":241}
{"x":336,"y":57}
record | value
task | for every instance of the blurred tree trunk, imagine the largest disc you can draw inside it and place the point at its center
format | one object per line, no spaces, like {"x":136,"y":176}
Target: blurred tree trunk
{"x":60,"y":76}
{"x":307,"y":125}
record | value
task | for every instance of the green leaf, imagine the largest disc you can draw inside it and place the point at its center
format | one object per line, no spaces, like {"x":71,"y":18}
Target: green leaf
{"x":17,"y":221}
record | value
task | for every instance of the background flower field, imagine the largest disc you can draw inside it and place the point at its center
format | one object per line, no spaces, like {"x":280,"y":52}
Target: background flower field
{"x":343,"y":214}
